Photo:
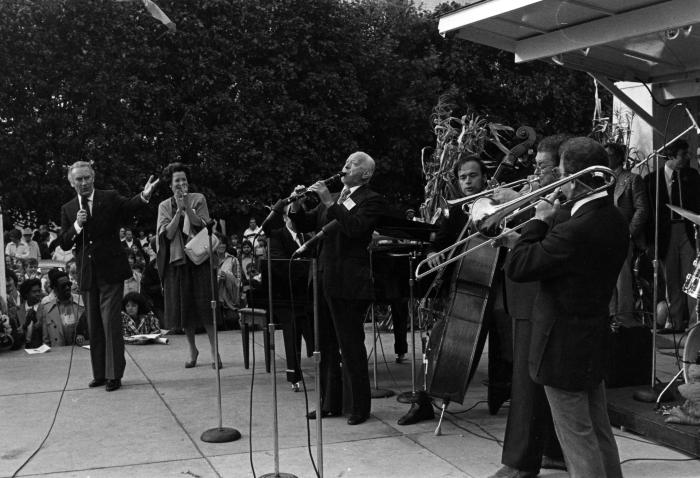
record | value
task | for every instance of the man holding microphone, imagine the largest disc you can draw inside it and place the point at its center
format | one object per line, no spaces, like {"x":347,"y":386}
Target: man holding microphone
{"x":90,"y":223}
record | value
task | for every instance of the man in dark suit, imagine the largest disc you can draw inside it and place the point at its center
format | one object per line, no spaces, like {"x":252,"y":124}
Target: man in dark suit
{"x":130,"y":240}
{"x":344,"y":273}
{"x":576,"y":263}
{"x":679,"y":186}
{"x":630,"y":198}
{"x":283,"y":242}
{"x":90,"y":223}
{"x":530,"y":442}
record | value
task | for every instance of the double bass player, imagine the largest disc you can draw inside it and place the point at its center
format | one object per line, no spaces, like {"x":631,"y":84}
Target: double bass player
{"x":470,"y":175}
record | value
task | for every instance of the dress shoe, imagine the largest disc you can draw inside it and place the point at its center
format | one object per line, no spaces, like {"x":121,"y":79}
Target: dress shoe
{"x":213,"y":365}
{"x":356,"y":419}
{"x":97,"y":382}
{"x":296,"y":387}
{"x":312,"y":414}
{"x":400,"y":358}
{"x":508,"y":472}
{"x":113,"y":385}
{"x":420,"y":410}
{"x":549,"y":463}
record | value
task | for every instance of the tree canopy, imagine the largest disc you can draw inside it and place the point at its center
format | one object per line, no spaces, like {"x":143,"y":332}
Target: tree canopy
{"x":255,"y":96}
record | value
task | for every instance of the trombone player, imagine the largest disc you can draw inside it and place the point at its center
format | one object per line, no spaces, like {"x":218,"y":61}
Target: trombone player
{"x":576,"y":263}
{"x":530,"y":441}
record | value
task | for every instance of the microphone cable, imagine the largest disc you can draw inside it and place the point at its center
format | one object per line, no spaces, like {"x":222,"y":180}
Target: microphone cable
{"x":297,"y":363}
{"x":251,"y":302}
{"x":65,"y":384}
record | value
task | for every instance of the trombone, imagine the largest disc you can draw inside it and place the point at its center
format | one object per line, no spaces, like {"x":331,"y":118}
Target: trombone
{"x":466,"y":200}
{"x":490,"y":219}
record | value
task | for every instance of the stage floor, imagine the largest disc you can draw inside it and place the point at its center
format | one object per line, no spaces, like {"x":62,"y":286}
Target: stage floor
{"x":152,"y":426}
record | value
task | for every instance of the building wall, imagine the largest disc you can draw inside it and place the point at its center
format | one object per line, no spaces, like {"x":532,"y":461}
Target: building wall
{"x":643,"y":139}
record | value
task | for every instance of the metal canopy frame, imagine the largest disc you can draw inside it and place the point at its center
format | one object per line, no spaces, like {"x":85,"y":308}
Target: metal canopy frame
{"x":656,"y":42}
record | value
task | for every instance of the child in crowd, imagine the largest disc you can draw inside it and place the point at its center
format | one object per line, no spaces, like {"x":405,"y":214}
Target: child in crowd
{"x":137,"y":318}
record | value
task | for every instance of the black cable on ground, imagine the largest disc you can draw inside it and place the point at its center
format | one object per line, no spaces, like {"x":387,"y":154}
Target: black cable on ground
{"x":55,"y":414}
{"x":65,"y":385}
{"x":250,"y":403}
{"x":297,"y":360}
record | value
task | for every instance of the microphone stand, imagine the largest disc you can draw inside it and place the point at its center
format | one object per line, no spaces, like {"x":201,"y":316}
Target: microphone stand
{"x":376,"y":391}
{"x":220,"y":434}
{"x":410,"y":397}
{"x":421,"y":405}
{"x":317,"y":371}
{"x":651,"y":395}
{"x":272,"y":326}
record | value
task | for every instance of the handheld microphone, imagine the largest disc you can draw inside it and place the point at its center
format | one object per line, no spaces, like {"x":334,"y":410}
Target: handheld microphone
{"x":692,"y":118}
{"x":81,"y":200}
{"x":325,"y":230}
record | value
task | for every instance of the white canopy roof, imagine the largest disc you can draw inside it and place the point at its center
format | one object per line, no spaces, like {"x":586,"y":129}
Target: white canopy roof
{"x":651,"y":41}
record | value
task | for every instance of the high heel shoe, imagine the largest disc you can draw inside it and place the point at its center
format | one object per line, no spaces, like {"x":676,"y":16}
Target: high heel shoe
{"x":192,"y":363}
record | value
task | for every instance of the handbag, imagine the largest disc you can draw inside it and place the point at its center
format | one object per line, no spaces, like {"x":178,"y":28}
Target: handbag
{"x":197,"y":248}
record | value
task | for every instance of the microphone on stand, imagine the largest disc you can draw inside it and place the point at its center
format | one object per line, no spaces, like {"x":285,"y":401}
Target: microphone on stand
{"x":276,"y":210}
{"x":325,"y":230}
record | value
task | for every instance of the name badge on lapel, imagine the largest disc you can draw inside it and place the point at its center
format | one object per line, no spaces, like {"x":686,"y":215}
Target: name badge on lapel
{"x":349,"y":204}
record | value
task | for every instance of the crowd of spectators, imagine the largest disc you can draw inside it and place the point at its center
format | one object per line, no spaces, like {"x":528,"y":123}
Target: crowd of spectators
{"x":44,"y":304}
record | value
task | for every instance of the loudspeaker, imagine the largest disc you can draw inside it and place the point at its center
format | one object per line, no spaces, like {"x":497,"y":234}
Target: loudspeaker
{"x":630,"y":357}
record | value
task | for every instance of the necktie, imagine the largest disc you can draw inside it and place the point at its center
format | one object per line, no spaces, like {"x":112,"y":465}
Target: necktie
{"x":300,"y":238}
{"x":343,"y":196}
{"x":675,"y":193}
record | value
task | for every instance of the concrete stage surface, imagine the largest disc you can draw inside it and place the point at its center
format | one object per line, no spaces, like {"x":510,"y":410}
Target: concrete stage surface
{"x":151,"y":427}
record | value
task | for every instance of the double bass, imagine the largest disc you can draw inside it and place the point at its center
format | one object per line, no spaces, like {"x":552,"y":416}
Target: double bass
{"x":472,"y":310}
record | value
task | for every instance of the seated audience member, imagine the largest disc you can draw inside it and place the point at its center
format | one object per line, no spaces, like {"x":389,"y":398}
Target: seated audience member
{"x":19,"y":271}
{"x":31,"y":269}
{"x":8,"y":329}
{"x":252,"y":231}
{"x":28,"y":312}
{"x":129,"y":240}
{"x":15,"y":248}
{"x":246,"y":257}
{"x":11,"y":286}
{"x":235,"y":243}
{"x":142,"y":240}
{"x":133,"y":283}
{"x":32,"y":248}
{"x":137,"y":318}
{"x":251,"y":285}
{"x":9,"y":263}
{"x":63,"y":319}
{"x":72,"y":269}
{"x":139,"y":255}
{"x":149,"y":253}
{"x":228,"y":279}
{"x":44,"y":240}
{"x":57,"y":253}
